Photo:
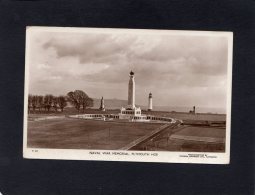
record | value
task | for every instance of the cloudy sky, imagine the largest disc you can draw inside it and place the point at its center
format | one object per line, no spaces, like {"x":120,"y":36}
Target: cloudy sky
{"x":179,"y":70}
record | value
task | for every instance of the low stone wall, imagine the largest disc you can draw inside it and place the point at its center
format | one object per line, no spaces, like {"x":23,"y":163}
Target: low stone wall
{"x":48,"y":118}
{"x":89,"y":116}
{"x":142,"y":118}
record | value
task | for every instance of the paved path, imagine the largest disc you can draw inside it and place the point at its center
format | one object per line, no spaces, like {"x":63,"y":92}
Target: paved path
{"x":149,"y":136}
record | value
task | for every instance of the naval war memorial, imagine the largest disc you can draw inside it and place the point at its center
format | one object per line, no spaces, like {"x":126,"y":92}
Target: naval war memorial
{"x":128,"y":128}
{"x":130,"y":113}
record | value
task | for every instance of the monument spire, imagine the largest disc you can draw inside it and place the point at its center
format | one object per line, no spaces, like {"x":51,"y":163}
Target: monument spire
{"x":150,"y":102}
{"x":131,"y":90}
{"x":102,"y":104}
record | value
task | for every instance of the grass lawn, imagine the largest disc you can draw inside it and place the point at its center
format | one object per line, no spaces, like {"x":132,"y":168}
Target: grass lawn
{"x":188,"y":116}
{"x":188,"y":139}
{"x":203,"y":132}
{"x":70,"y":133}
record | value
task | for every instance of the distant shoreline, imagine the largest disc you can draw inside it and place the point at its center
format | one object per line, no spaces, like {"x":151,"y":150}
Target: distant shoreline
{"x":113,"y":104}
{"x":159,"y":111}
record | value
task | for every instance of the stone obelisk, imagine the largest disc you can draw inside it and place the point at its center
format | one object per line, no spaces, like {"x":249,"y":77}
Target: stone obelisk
{"x":150,"y":102}
{"x":102,"y":104}
{"x":131,"y":90}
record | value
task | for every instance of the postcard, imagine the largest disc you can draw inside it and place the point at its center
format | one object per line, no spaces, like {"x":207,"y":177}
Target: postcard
{"x":127,"y":95}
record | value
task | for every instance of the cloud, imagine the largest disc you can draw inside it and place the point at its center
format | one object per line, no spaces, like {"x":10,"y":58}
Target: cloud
{"x":100,"y":64}
{"x":92,"y":48}
{"x":43,"y":66}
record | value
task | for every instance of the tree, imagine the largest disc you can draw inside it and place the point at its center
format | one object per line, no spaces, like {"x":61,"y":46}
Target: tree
{"x":48,"y":100}
{"x":55,"y":103}
{"x":87,"y":102}
{"x":34,"y":102}
{"x":62,"y":103}
{"x":30,"y":97}
{"x":74,"y":100}
{"x":79,"y":99}
{"x":40,"y":102}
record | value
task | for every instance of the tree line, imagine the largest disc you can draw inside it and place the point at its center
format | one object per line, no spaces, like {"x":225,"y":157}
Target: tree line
{"x":78,"y":98}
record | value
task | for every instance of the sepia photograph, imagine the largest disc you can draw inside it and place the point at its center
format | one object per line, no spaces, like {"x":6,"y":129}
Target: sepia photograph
{"x":128,"y":95}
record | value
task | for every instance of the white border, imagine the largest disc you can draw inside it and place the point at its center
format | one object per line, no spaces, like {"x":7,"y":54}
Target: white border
{"x":137,"y":156}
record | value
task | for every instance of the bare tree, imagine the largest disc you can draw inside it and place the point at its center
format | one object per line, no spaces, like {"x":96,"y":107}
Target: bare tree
{"x":55,"y":103}
{"x":48,"y":101}
{"x":40,"y":102}
{"x":75,"y":99}
{"x":79,"y":99}
{"x":87,"y":102}
{"x":30,"y":97}
{"x":34,"y":102}
{"x":62,"y":103}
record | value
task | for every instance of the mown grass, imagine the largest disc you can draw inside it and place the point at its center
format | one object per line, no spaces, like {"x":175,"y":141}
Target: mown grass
{"x":84,"y":134}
